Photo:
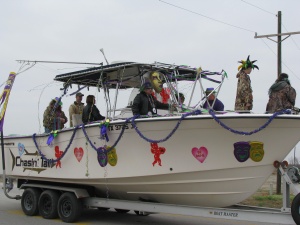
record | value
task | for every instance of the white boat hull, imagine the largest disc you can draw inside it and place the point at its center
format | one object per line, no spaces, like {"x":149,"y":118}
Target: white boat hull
{"x":215,"y":179}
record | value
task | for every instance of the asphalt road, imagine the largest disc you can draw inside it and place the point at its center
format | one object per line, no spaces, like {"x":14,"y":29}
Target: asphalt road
{"x":11,"y":213}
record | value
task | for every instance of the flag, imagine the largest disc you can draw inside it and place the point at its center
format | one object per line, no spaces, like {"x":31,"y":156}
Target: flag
{"x":4,"y":97}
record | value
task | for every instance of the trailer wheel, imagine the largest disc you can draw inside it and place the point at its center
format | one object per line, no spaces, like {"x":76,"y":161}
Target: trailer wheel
{"x":295,"y":209}
{"x":48,"y":204}
{"x":141,"y":213}
{"x":29,"y":201}
{"x":122,"y":210}
{"x":102,"y":208}
{"x":69,"y":207}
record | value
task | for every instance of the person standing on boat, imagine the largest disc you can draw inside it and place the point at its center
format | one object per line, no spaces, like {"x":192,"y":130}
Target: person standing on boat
{"x":144,"y":103}
{"x":76,"y":108}
{"x":54,"y":117}
{"x":212,"y":101}
{"x":244,"y":97}
{"x":90,"y":111}
{"x":281,"y":95}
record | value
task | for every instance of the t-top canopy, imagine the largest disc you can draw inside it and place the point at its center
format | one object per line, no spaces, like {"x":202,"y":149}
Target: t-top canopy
{"x":126,"y":74}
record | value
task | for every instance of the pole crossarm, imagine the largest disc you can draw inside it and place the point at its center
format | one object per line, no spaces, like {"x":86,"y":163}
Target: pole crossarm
{"x":275,"y":35}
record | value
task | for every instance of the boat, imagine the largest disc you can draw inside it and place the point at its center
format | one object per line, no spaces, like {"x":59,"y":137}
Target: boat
{"x":196,"y":157}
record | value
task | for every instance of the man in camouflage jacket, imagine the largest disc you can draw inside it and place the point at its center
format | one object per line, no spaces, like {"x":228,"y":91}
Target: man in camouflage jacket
{"x":54,"y":120}
{"x":281,"y":95}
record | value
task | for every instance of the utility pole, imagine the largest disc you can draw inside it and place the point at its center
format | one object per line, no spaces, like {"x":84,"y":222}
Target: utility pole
{"x":279,"y":45}
{"x":279,"y":41}
{"x":279,"y":35}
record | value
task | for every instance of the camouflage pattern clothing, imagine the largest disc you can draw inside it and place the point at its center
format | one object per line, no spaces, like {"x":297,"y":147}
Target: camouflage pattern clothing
{"x":243,"y":92}
{"x":51,"y":120}
{"x":281,"y":96}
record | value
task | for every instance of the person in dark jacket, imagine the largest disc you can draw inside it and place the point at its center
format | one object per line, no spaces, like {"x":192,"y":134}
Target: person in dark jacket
{"x":212,"y":101}
{"x":90,"y":111}
{"x":144,"y":103}
{"x":281,"y":95}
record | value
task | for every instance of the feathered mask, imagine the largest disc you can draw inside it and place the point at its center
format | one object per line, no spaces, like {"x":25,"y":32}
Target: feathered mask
{"x":247,"y":64}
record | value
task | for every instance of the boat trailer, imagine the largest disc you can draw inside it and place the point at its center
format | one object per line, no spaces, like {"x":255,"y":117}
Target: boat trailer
{"x":68,"y":205}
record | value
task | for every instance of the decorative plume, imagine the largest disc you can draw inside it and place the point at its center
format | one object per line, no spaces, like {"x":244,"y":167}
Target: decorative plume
{"x":247,"y":64}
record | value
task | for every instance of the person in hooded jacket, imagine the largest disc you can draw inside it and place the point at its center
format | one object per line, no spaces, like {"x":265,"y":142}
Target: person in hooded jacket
{"x":281,"y":95}
{"x":54,"y":118}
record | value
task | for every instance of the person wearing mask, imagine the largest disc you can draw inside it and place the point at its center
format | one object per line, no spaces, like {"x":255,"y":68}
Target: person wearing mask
{"x":90,"y":111}
{"x":54,"y":118}
{"x":145,"y":104}
{"x":212,"y":101}
{"x":281,"y":95}
{"x":76,"y":109}
{"x":244,"y":96}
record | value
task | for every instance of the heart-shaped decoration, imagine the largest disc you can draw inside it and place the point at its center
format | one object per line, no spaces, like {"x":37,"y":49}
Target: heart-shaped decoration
{"x":21,"y":149}
{"x":78,"y":152}
{"x":200,"y":153}
{"x":241,"y":151}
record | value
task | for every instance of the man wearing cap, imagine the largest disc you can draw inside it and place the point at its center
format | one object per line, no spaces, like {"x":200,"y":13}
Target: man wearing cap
{"x":144,"y":103}
{"x":76,"y":108}
{"x":212,"y":101}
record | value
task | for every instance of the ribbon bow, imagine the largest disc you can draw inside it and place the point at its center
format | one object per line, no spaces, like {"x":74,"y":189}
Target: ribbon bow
{"x":51,"y":137}
{"x":103,"y":130}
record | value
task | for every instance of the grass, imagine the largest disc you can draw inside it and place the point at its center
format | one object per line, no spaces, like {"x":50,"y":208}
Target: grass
{"x":262,"y":199}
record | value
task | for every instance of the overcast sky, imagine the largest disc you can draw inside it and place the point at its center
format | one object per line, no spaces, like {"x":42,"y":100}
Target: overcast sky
{"x":213,"y":34}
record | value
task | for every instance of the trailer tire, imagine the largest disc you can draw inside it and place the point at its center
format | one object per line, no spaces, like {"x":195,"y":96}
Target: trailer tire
{"x":102,"y":208}
{"x":69,"y":207}
{"x":122,"y":210}
{"x":295,"y":209}
{"x":48,"y":204}
{"x":29,"y":201}
{"x":141,"y":213}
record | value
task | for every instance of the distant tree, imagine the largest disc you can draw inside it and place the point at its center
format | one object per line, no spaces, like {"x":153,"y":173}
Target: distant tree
{"x":293,"y":161}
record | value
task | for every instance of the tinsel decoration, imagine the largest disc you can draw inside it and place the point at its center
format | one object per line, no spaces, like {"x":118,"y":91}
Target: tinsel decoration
{"x":103,"y":130}
{"x":51,"y":137}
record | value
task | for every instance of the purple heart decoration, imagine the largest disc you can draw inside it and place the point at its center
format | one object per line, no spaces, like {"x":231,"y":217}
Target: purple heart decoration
{"x":21,"y":148}
{"x":102,"y":157}
{"x":241,"y":151}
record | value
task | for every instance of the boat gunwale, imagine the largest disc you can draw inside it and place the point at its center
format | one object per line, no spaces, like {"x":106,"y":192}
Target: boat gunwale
{"x":170,"y":118}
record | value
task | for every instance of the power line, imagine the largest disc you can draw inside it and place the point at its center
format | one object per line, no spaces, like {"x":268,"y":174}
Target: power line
{"x":276,"y":35}
{"x":273,"y":15}
{"x":292,"y":38}
{"x":281,"y":60}
{"x":259,"y":8}
{"x":199,"y":14}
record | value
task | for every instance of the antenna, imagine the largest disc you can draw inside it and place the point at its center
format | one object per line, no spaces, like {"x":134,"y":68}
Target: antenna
{"x":101,"y":50}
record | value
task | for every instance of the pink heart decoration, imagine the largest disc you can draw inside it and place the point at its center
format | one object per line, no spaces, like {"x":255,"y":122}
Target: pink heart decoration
{"x":200,"y":153}
{"x":78,"y":152}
